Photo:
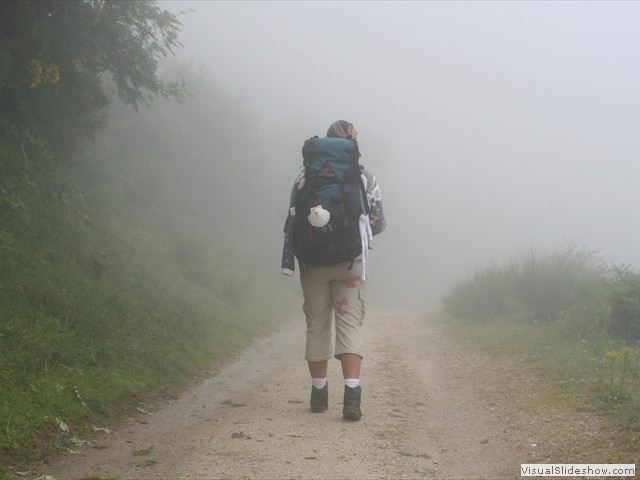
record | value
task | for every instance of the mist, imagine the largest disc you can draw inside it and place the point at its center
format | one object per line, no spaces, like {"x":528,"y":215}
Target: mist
{"x":493,"y":127}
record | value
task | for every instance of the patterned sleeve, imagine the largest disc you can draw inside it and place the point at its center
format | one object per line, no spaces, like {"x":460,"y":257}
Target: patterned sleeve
{"x":288,"y":263}
{"x":376,"y":214}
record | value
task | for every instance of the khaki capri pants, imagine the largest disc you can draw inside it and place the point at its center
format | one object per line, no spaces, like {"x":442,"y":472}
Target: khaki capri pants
{"x":330,"y":290}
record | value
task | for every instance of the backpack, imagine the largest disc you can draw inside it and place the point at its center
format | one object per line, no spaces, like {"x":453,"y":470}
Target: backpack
{"x":328,"y":207}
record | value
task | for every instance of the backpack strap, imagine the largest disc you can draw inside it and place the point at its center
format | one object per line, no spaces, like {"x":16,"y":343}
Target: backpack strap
{"x":363,"y":197}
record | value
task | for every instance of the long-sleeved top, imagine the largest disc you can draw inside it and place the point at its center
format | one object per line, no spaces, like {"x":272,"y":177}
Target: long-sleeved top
{"x":375,"y":219}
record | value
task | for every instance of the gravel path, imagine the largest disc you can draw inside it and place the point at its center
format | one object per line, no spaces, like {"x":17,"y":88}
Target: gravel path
{"x":428,"y":412}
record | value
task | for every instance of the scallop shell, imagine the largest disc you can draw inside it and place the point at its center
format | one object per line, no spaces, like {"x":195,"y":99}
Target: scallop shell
{"x":319,"y":217}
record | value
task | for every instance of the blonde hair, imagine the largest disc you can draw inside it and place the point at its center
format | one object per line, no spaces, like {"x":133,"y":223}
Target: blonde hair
{"x":342,"y":129}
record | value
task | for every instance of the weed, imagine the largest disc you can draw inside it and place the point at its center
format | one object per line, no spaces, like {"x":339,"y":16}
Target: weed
{"x":98,"y":308}
{"x":621,"y":367}
{"x":568,"y":313}
{"x":416,"y":455}
{"x":143,"y":453}
{"x":532,"y":285}
{"x":123,"y":269}
{"x":564,"y":369}
{"x":624,"y":302}
{"x":146,"y":463}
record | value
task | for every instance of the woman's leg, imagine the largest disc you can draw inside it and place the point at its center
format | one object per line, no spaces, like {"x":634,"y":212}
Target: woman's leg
{"x":350,"y":365}
{"x":349,"y":309}
{"x":316,"y":287}
{"x":318,"y":369}
{"x":317,"y":307}
{"x":348,"y":306}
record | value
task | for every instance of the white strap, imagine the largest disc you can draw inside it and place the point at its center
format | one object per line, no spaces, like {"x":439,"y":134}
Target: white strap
{"x":365,"y":234}
{"x":365,"y":237}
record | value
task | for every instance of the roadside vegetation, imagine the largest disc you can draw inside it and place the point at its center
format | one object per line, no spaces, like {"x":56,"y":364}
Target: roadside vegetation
{"x":102,"y":308}
{"x":131,"y":261}
{"x":570,"y":319}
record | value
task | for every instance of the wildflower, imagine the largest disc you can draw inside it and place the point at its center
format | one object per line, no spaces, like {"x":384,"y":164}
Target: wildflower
{"x":42,"y":73}
{"x":52,"y":74}
{"x":628,"y":352}
{"x":35,"y":69}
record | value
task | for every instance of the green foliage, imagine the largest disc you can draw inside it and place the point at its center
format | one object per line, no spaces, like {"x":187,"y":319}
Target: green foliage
{"x":549,"y":364}
{"x":621,"y":371}
{"x":55,"y":54}
{"x":485,"y":294}
{"x":624,"y":301}
{"x":193,"y":256}
{"x":96,"y":309}
{"x":532,"y":285}
{"x":123,"y":271}
{"x":549,"y":284}
{"x":580,"y":329}
{"x":200,"y":157}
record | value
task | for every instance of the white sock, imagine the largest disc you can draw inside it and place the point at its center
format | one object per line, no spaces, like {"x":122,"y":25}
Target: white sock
{"x":319,"y":382}
{"x":352,"y":382}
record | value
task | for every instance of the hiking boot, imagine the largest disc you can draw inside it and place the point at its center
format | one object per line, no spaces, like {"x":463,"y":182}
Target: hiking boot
{"x":351,"y":409}
{"x":319,"y":398}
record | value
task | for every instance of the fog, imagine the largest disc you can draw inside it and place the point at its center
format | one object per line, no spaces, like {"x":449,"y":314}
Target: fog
{"x":493,"y":127}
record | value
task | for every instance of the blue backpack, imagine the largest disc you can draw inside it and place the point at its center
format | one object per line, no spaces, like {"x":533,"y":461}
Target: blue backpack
{"x":326,"y":227}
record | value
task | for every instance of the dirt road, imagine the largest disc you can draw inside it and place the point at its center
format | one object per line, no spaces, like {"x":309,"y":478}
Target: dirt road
{"x":429,"y":411}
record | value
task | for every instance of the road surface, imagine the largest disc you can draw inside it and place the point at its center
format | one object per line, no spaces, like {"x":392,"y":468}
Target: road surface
{"x":430,"y":410}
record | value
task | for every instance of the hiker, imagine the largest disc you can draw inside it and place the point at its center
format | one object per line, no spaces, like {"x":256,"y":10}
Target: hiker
{"x":335,"y":210}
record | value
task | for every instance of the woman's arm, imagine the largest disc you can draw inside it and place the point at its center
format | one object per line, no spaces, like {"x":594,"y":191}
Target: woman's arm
{"x":374,"y":196}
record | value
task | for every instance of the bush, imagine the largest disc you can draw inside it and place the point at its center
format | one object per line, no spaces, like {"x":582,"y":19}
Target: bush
{"x":535,"y":286}
{"x":548,"y":284}
{"x":485,"y":294}
{"x":624,"y":301}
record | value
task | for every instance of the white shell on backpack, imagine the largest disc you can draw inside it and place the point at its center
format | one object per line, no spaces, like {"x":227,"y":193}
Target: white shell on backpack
{"x":319,"y":217}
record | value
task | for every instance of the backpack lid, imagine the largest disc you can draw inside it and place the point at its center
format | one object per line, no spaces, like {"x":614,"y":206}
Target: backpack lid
{"x":330,"y":155}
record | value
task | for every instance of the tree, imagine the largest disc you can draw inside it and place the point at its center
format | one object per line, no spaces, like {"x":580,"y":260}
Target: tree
{"x":202,"y":156}
{"x":57,"y":55}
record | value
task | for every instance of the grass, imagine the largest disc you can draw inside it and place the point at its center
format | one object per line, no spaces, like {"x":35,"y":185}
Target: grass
{"x":104,"y":304}
{"x":563,"y":322}
{"x":127,"y":268}
{"x":559,"y":368}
